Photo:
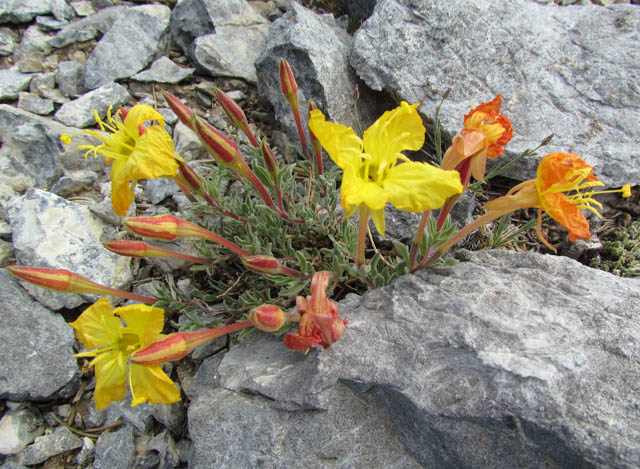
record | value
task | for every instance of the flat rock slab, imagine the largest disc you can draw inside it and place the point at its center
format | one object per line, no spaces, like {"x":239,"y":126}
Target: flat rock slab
{"x":49,"y":231}
{"x":79,"y":112}
{"x":37,"y":346}
{"x":503,"y":360}
{"x":571,"y":71}
{"x":164,"y":70}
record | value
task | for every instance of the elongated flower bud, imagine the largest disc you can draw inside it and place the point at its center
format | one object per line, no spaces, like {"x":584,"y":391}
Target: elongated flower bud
{"x":267,"y":318}
{"x":220,"y":146}
{"x":236,"y":115}
{"x":169,"y":228}
{"x":288,"y":83}
{"x":177,"y":345}
{"x":268,"y":265}
{"x":141,"y":249}
{"x":62,"y":280}
{"x":269,"y":158}
{"x":180,"y":109}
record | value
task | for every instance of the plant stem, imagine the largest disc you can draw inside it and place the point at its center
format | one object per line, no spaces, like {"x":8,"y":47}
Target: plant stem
{"x":362,"y":233}
{"x":418,"y":238}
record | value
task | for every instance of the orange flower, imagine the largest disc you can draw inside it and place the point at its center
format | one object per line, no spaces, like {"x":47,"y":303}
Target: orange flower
{"x":484,"y":135}
{"x":320,"y":322}
{"x":561,"y":188}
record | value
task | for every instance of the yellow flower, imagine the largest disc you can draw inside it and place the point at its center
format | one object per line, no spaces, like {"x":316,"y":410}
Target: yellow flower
{"x":101,"y":330}
{"x":137,"y":152}
{"x":372,"y":176}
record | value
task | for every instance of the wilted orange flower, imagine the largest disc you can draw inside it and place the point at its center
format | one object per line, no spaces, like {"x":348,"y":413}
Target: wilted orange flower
{"x":320,"y":322}
{"x":484,"y":135}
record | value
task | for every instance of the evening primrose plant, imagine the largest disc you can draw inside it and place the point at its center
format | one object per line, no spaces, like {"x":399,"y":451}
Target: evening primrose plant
{"x":267,"y":232}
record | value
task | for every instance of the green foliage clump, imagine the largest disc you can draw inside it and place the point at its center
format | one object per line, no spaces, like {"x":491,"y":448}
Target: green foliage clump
{"x":621,"y":255}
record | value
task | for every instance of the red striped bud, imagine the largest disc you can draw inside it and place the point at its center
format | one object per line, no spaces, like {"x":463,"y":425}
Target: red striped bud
{"x":236,"y":115}
{"x":268,"y":265}
{"x":221,"y":147}
{"x":62,"y":280}
{"x":267,"y":318}
{"x":177,"y":345}
{"x":169,"y":228}
{"x":288,"y":83}
{"x":141,"y":249}
{"x":180,"y":109}
{"x":270,"y":161}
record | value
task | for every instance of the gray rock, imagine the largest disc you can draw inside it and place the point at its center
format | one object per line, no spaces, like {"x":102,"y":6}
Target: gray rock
{"x":133,"y":41}
{"x":555,"y":69}
{"x":139,"y":416}
{"x":171,"y":416}
{"x":190,"y":19}
{"x":164,"y":445}
{"x":32,"y":103}
{"x":18,"y":428}
{"x":233,"y":13}
{"x":42,"y":81}
{"x":170,"y":117}
{"x":30,"y":65}
{"x":104,"y":208}
{"x":44,"y":447}
{"x":187,"y":143}
{"x":157,"y":190}
{"x":40,"y":344}
{"x":79,"y":112}
{"x":83,"y":8}
{"x":74,"y":181}
{"x":86,"y":453}
{"x":71,"y":78}
{"x":164,"y":70}
{"x":49,"y":231}
{"x":12,"y":82}
{"x":87,"y":28}
{"x":61,"y":10}
{"x":503,"y":360}
{"x":22,"y":11}
{"x":231,"y":51}
{"x":100,"y":4}
{"x":50,"y":24}
{"x":6,"y":250}
{"x":303,"y":38}
{"x":34,"y":44}
{"x":358,"y":10}
{"x":7,"y":42}
{"x":11,"y":464}
{"x":115,"y":450}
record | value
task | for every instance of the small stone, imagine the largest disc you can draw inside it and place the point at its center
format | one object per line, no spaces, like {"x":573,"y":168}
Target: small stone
{"x":187,"y":143}
{"x":87,"y":452}
{"x":139,"y":416}
{"x":83,"y":8}
{"x":101,"y":4}
{"x":44,"y":447}
{"x":50,"y":24}
{"x":170,"y":117}
{"x":22,"y":11}
{"x":203,"y":99}
{"x":12,"y":81}
{"x":61,"y":10}
{"x":42,"y":80}
{"x":7,"y":42}
{"x":74,"y":181}
{"x":54,"y":95}
{"x":6,"y":248}
{"x":237,"y":95}
{"x":87,"y":28}
{"x":164,"y":70}
{"x":32,"y":103}
{"x":157,"y":190}
{"x":115,"y":449}
{"x":34,"y":44}
{"x":30,"y":65}
{"x":18,"y":428}
{"x":71,"y":78}
{"x":79,"y":112}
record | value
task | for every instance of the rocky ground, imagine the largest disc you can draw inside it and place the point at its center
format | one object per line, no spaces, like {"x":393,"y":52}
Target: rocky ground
{"x":506,"y":359}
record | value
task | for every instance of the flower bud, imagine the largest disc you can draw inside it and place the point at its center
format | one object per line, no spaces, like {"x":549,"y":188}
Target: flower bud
{"x":62,"y":280}
{"x":177,"y":345}
{"x":288,"y":83}
{"x":221,"y":147}
{"x":268,"y":265}
{"x":180,"y":109}
{"x":267,"y":318}
{"x":236,"y":115}
{"x":141,"y":249}
{"x":269,"y":158}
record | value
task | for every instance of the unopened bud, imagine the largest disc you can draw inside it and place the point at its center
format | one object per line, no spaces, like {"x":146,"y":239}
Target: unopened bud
{"x":547,"y":140}
{"x":267,"y":318}
{"x":268,"y":265}
{"x":180,"y":109}
{"x":221,"y":147}
{"x":177,"y":345}
{"x":62,"y":280}
{"x":192,"y":178}
{"x":236,"y":115}
{"x":141,"y":249}
{"x":288,"y":83}
{"x":269,"y":158}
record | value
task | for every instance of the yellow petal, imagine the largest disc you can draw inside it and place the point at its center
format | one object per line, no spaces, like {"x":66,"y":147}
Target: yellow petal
{"x":111,"y":378}
{"x":356,"y":191}
{"x":150,"y":383}
{"x":144,"y":320}
{"x":396,"y":130}
{"x":416,"y":187}
{"x":341,"y":142}
{"x":153,"y":156}
{"x":378,"y":220}
{"x":138,"y":115}
{"x":97,"y":326}
{"x":121,"y":191}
